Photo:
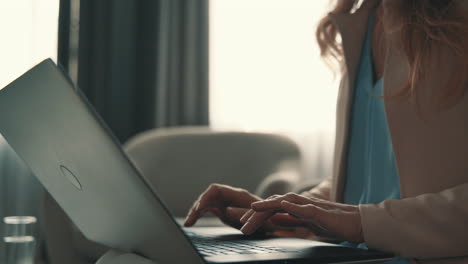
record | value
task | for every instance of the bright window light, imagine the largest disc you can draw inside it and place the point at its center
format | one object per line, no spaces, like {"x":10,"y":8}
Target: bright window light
{"x":29,"y":35}
{"x":266,"y":73}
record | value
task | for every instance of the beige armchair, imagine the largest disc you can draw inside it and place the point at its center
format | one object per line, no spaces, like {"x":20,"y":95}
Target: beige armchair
{"x":181,"y":163}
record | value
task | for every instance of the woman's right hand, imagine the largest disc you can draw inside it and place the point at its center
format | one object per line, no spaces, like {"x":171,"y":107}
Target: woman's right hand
{"x":228,"y":203}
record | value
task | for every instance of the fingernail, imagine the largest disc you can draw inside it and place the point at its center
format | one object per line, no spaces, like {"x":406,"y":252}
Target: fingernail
{"x":243,"y":219}
{"x":245,"y":229}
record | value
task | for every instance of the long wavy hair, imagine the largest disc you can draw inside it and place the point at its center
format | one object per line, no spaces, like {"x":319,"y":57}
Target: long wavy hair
{"x":422,"y":26}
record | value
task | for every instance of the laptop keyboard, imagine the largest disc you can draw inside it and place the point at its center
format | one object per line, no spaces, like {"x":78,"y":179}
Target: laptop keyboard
{"x":210,"y":246}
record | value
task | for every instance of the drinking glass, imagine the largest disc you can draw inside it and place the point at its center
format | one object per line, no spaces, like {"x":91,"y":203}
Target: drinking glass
{"x":18,"y":239}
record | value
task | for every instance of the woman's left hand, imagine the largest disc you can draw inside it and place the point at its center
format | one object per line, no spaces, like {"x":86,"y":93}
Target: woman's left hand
{"x":340,"y":220}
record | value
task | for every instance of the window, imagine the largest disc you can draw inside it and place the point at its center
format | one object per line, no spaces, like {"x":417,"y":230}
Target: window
{"x":266,"y":74}
{"x":29,"y":35}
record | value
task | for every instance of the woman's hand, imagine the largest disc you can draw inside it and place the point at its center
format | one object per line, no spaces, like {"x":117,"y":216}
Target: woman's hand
{"x":229,"y":204}
{"x":322,"y":217}
{"x":225,"y":202}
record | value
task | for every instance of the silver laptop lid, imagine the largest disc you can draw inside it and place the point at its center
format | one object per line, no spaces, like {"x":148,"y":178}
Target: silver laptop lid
{"x":60,"y":137}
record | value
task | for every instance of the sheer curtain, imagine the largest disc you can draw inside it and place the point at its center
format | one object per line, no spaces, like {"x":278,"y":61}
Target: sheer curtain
{"x":266,"y":74}
{"x":29,"y":35}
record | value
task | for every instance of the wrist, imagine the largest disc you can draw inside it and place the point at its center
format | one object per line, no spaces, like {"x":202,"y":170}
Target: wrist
{"x":359,"y":237}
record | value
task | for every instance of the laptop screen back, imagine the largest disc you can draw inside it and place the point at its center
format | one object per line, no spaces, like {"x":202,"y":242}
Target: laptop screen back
{"x":62,"y":140}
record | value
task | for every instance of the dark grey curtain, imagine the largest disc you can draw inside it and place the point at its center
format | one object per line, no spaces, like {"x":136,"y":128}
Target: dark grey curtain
{"x":144,"y":63}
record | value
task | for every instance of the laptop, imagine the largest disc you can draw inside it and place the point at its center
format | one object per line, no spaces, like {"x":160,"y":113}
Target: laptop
{"x":61,"y":138}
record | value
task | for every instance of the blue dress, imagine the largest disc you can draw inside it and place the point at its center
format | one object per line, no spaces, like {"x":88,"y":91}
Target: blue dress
{"x":371,"y":174}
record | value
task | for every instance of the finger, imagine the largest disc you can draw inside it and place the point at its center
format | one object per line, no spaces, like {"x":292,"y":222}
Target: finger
{"x":209,"y":198}
{"x":231,"y":216}
{"x":217,"y":212}
{"x":218,"y":195}
{"x":331,"y":205}
{"x":192,"y":215}
{"x":307,"y":212}
{"x":246,"y":216}
{"x":195,"y":215}
{"x":235,"y":213}
{"x":256,"y":221}
{"x":314,"y":218}
{"x":275,"y":203}
{"x":208,"y":195}
{"x":274,"y":196}
{"x":286,"y":220}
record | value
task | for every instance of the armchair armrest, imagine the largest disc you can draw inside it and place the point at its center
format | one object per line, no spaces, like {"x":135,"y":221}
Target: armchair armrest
{"x":283,"y":180}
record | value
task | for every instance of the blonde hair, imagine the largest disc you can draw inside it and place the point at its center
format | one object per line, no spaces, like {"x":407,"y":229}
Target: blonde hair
{"x":422,"y":26}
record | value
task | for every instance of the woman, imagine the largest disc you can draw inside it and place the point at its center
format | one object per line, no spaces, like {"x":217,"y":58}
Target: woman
{"x":400,"y":178}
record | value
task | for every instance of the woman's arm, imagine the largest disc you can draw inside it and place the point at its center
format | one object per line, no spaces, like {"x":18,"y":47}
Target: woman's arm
{"x":427,"y":226}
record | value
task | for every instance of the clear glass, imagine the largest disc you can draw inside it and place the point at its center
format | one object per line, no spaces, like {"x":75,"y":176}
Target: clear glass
{"x":18,"y":239}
